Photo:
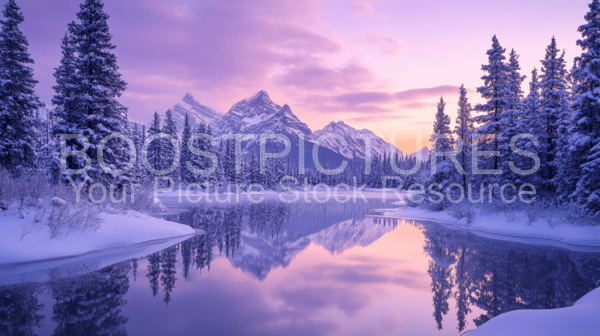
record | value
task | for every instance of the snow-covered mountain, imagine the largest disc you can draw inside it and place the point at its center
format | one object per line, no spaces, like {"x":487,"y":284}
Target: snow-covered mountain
{"x":260,"y":115}
{"x":197,"y":113}
{"x":422,"y":154}
{"x":354,"y":138}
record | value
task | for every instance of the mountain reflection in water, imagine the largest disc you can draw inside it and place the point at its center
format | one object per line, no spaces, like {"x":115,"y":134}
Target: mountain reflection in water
{"x":303,"y":269}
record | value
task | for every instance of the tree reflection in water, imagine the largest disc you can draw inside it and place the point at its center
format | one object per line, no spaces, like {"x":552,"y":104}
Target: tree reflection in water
{"x":91,"y":304}
{"x":19,"y":308}
{"x":465,"y":270}
{"x":498,"y":277}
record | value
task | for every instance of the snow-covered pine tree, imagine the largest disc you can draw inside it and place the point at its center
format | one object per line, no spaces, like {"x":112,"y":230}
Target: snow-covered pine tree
{"x":229,"y":161}
{"x":68,"y":120}
{"x":530,"y":122}
{"x":144,"y":173}
{"x":138,"y":173}
{"x":186,"y":154}
{"x":218,"y":177}
{"x":509,"y":120}
{"x":155,"y":147}
{"x":18,"y":99}
{"x":497,"y":92}
{"x":554,"y":103}
{"x":203,"y":145}
{"x":464,"y":130}
{"x":97,"y":111}
{"x":168,"y":151}
{"x":585,"y":133}
{"x":442,"y":141}
{"x":253,"y":172}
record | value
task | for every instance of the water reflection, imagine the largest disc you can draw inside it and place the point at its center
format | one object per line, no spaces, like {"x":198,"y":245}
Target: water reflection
{"x":91,"y":304}
{"x":471,"y":279}
{"x":19,"y":309}
{"x":498,"y":277}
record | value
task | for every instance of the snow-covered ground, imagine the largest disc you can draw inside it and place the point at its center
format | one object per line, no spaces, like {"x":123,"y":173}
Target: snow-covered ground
{"x":583,"y":318}
{"x":43,"y":271}
{"x":117,"y":230}
{"x":509,"y":226}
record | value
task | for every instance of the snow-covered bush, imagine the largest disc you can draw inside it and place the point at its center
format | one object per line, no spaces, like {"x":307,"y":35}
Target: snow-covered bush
{"x":462,"y":210}
{"x":64,"y":217}
{"x":50,"y":204}
{"x":143,"y":201}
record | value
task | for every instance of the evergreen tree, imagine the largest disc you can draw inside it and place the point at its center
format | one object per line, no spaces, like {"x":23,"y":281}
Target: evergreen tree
{"x":584,"y":143}
{"x":442,"y":141}
{"x":509,"y":120}
{"x":530,"y":122}
{"x":139,"y":171}
{"x":229,"y":161}
{"x":168,"y":151}
{"x":64,"y":111}
{"x":554,"y":103}
{"x":155,"y":147}
{"x":497,"y":92}
{"x":464,"y":131}
{"x":98,"y":84}
{"x":18,"y":99}
{"x":186,"y":155}
{"x":253,"y":170}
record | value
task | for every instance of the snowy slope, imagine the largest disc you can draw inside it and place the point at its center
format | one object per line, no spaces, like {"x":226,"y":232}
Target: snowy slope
{"x":117,"y":230}
{"x":260,"y":115}
{"x":197,"y":113}
{"x":518,"y":228}
{"x":583,"y":318}
{"x":356,"y":147}
{"x":422,"y":154}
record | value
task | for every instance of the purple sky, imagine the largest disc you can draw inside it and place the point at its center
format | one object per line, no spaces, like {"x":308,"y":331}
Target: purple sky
{"x":375,"y":64}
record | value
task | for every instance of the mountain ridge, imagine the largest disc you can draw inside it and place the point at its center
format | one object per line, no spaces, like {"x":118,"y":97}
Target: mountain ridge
{"x":258,"y":114}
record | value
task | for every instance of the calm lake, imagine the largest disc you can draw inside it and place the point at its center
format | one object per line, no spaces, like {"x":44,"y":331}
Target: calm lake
{"x":301,"y":269}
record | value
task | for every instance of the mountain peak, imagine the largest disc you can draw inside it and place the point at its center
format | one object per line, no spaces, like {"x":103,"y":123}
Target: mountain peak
{"x":196,"y":111}
{"x":261,"y":97}
{"x":338,"y":125}
{"x":191,"y":100}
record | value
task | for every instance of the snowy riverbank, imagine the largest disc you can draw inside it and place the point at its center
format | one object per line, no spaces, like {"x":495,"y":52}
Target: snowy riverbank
{"x":583,"y":318}
{"x":117,"y":230}
{"x":514,"y":226}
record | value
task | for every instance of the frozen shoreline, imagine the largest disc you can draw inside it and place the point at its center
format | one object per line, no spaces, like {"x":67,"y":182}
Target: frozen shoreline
{"x":515,"y":227}
{"x":117,"y":231}
{"x":580,"y":319}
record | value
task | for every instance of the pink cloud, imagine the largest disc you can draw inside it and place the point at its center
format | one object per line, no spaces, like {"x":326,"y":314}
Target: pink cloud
{"x":385,"y":43}
{"x":427,"y":92}
{"x":368,"y":102}
{"x":313,"y":76}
